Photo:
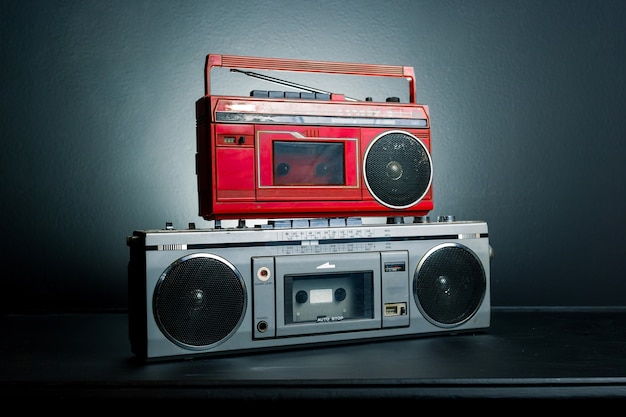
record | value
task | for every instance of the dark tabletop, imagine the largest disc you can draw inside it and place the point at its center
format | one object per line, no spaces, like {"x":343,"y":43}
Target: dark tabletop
{"x":526,"y":353}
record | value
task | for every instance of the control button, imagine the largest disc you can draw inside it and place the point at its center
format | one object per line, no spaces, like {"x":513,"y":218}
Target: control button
{"x":338,"y":221}
{"x":300,"y":223}
{"x":354,"y":221}
{"x":259,"y":93}
{"x":446,"y":219}
{"x":321,"y":222}
{"x":280,"y":224}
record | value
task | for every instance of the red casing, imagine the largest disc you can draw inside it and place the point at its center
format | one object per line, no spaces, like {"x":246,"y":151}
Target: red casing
{"x":263,"y":158}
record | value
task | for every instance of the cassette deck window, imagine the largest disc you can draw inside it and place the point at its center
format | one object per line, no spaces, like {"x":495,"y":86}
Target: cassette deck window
{"x":308,"y":163}
{"x":330,"y":297}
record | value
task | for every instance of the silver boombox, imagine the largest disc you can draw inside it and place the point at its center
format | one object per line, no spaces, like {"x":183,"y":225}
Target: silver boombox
{"x":204,"y":292}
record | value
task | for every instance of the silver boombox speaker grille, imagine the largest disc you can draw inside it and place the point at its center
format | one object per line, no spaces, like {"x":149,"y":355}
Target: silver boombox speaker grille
{"x":449,"y":284}
{"x":199,"y":300}
{"x":398,"y":169}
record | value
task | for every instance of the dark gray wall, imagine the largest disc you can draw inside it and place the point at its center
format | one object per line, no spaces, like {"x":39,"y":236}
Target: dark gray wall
{"x":527,"y":101}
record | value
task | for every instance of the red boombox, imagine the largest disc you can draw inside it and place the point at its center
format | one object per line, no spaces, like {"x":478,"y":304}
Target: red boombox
{"x":290,"y":154}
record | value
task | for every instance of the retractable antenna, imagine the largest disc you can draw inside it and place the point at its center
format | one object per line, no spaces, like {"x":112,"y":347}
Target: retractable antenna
{"x":287,"y":83}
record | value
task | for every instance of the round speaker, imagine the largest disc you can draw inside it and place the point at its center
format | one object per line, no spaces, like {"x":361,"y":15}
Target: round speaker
{"x":199,"y":301}
{"x":449,"y":284}
{"x":397,"y":169}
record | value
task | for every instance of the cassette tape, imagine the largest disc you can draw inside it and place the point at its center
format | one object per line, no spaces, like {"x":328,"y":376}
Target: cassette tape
{"x":286,"y":154}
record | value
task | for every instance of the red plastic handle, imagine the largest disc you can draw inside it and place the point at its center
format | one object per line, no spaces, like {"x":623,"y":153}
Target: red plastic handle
{"x":298,"y":65}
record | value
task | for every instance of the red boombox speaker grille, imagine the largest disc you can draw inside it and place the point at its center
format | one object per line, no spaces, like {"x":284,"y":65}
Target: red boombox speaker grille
{"x":397,"y":170}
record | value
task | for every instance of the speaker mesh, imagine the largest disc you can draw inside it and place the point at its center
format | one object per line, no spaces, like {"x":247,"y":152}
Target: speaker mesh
{"x":199,"y":301}
{"x":449,"y":284}
{"x":398,"y":169}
